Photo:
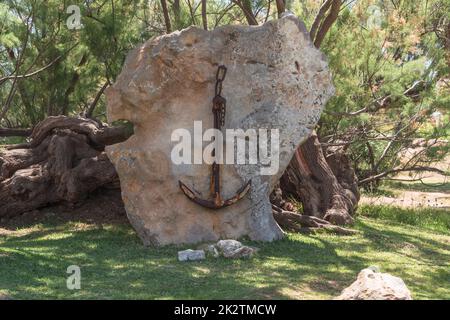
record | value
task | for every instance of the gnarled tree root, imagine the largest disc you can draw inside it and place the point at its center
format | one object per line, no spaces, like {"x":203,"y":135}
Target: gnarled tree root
{"x":291,"y":221}
{"x":63,"y":162}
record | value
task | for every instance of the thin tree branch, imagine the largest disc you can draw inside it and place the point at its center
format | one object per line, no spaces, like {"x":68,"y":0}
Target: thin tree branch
{"x":246,"y":7}
{"x":319,"y":17}
{"x":204,"y":17}
{"x":31,"y":74}
{"x":393,"y":171}
{"x":281,"y":7}
{"x":166,"y":16}
{"x":92,"y":106}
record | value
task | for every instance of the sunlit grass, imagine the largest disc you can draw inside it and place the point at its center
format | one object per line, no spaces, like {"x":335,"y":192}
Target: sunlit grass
{"x":114,"y":264}
{"x":429,"y":218}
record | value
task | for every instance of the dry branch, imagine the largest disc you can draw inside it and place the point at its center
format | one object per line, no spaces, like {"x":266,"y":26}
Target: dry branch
{"x":166,"y":16}
{"x":246,"y":7}
{"x":14,"y":132}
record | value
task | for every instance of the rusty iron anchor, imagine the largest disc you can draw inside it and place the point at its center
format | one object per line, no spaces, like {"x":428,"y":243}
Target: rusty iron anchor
{"x":218,"y":109}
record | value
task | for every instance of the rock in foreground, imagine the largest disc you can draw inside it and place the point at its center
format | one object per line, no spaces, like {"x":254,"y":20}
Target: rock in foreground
{"x":373,"y":285}
{"x":276,"y":79}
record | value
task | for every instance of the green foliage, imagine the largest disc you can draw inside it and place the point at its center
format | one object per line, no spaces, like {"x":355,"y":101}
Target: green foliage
{"x":9,"y":25}
{"x":390,"y":76}
{"x":390,"y":62}
{"x":87,"y":57}
{"x":11,"y":140}
{"x":426,"y":218}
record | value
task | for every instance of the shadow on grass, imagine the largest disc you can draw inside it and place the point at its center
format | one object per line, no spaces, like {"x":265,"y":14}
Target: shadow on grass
{"x":114,"y":265}
{"x":427,"y":251}
{"x":426,"y":218}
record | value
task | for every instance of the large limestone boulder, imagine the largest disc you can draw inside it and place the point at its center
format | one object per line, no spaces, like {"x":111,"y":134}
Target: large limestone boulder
{"x":374,"y":285}
{"x":276,"y":79}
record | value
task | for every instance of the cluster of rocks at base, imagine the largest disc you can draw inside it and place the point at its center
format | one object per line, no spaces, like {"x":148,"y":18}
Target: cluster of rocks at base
{"x":231,"y":249}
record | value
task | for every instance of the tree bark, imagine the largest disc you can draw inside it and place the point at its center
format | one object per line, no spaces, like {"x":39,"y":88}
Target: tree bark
{"x":295,"y":222}
{"x":313,"y":180}
{"x":319,"y":17}
{"x":64,"y":162}
{"x":176,"y":8}
{"x":327,"y":22}
{"x":166,"y":16}
{"x":204,"y":16}
{"x":246,"y":7}
{"x":281,"y":7}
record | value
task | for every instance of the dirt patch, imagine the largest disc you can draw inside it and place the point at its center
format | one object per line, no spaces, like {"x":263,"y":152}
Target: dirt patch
{"x":102,"y":206}
{"x":418,"y":190}
{"x":411,"y":199}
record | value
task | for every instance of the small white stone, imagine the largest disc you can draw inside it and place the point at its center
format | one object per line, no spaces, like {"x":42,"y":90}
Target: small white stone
{"x":191,"y":255}
{"x":234,"y":249}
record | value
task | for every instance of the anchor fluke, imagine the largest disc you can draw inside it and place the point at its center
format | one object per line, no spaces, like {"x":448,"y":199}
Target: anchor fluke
{"x":216,"y":201}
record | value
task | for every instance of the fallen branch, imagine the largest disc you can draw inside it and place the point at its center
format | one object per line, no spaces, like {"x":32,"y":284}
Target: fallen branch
{"x":15,"y":132}
{"x":394,"y":171}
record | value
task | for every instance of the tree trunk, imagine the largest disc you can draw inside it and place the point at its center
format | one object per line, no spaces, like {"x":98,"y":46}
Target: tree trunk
{"x":204,"y":15}
{"x":64,"y":162}
{"x":176,"y":8}
{"x":246,"y":6}
{"x":281,"y":7}
{"x":166,"y":16}
{"x":295,"y":222}
{"x":326,"y":186}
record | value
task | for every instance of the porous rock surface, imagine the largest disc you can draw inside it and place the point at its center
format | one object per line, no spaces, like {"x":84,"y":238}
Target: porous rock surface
{"x":276,"y":79}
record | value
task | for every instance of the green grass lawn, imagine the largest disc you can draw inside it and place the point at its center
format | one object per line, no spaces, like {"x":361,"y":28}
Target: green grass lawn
{"x":114,"y":264}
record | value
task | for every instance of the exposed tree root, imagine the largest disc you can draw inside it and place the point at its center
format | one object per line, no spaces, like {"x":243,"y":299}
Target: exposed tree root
{"x":63,"y":162}
{"x":295,"y":222}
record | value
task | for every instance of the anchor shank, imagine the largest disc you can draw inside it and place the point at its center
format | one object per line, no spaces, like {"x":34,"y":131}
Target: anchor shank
{"x":215,"y":169}
{"x":218,"y":109}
